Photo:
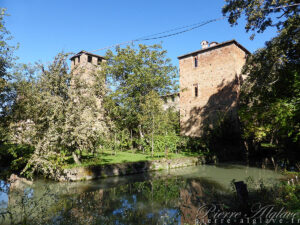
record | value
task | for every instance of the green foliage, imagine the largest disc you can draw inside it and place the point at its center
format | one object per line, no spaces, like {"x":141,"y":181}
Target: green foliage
{"x":56,"y":113}
{"x":261,"y":14}
{"x":166,"y":143}
{"x":6,"y":63}
{"x":137,"y":78}
{"x":194,"y":144}
{"x":270,"y":97}
{"x":289,"y":196}
{"x":284,"y":194}
{"x":15,"y":156}
{"x":270,"y":109}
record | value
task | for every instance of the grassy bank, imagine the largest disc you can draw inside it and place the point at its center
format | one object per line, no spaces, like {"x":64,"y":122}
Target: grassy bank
{"x":109,"y":157}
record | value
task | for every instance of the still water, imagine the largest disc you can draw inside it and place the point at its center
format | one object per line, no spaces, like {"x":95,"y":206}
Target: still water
{"x":166,"y":197}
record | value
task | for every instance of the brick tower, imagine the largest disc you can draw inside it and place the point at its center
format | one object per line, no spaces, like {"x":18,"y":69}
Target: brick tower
{"x":85,"y":63}
{"x":84,"y":66}
{"x":210,"y":85}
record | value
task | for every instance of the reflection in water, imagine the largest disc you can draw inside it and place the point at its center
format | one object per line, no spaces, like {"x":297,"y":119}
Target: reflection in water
{"x":169,"y":197}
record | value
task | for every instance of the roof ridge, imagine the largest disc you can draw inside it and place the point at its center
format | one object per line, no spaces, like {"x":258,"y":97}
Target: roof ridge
{"x":216,"y":46}
{"x":88,"y":53}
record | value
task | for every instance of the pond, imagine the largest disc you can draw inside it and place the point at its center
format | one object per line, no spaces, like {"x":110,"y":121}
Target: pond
{"x":165,"y":197}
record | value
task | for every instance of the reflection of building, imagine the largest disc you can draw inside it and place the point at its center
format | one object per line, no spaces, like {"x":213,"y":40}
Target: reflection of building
{"x":190,"y":206}
{"x":209,"y":85}
{"x":171,"y":101}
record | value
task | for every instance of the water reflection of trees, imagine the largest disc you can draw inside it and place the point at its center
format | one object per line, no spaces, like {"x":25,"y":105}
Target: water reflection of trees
{"x":153,"y":201}
{"x":145,"y":202}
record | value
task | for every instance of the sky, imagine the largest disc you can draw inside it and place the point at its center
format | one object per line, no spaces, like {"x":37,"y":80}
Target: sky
{"x":43,"y":28}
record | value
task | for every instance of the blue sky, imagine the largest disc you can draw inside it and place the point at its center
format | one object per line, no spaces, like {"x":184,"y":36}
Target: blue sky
{"x":45,"y":27}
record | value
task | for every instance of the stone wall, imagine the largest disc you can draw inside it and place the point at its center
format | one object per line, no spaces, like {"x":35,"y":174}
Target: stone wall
{"x":171,"y":101}
{"x":84,"y":74}
{"x":102,"y":171}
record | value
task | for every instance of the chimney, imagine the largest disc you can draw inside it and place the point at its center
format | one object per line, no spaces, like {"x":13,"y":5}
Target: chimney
{"x":204,"y":44}
{"x":213,"y":43}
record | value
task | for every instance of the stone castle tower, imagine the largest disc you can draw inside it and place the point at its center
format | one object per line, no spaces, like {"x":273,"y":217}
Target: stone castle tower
{"x":210,"y":85}
{"x":85,"y":62}
{"x":84,"y":65}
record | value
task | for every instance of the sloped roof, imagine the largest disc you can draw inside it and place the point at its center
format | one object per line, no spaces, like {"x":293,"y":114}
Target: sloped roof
{"x":215,"y":47}
{"x":88,"y":53}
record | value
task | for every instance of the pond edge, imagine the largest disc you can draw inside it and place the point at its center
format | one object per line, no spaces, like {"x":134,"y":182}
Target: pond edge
{"x":127,"y":168}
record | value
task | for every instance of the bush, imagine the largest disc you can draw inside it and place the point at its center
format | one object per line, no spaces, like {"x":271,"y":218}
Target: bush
{"x":15,"y":156}
{"x":166,"y":143}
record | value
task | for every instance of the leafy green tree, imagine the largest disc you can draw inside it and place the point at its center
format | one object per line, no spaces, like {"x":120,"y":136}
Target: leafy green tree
{"x":262,"y":14}
{"x":137,"y":78}
{"x":6,"y":63}
{"x":158,"y":126}
{"x":270,"y":103}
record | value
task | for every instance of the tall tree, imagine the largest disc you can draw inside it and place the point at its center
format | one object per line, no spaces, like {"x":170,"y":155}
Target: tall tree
{"x":6,"y":63}
{"x":57,"y":113}
{"x":137,"y":77}
{"x":262,"y":14}
{"x":270,"y":109}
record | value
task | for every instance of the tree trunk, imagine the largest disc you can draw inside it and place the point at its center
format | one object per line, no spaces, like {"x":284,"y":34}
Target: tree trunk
{"x":152,"y":144}
{"x":141,"y":133}
{"x":115,"y":145}
{"x":75,"y":157}
{"x":166,"y":148}
{"x":141,"y":136}
{"x":131,"y":141}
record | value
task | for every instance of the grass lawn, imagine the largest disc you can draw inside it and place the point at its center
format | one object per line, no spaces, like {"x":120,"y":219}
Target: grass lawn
{"x":108,"y":157}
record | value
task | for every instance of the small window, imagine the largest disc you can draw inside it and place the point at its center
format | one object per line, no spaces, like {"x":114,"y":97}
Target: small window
{"x":99,"y":60}
{"x":196,"y":61}
{"x":196,"y":91}
{"x":73,"y":61}
{"x":173,"y":98}
{"x":78,"y":59}
{"x":89,"y":58}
